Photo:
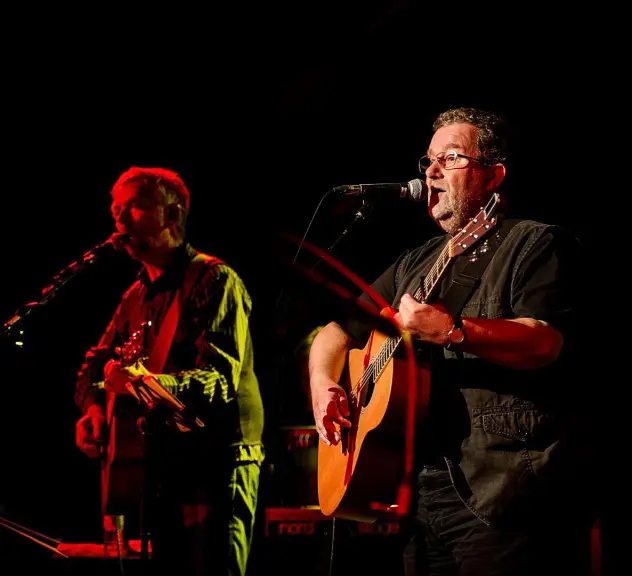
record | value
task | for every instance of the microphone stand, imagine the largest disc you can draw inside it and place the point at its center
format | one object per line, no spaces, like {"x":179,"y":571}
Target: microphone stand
{"x":361,"y":214}
{"x":37,"y":537}
{"x":14,"y":326}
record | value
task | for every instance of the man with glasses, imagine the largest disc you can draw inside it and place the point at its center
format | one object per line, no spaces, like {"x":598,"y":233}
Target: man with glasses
{"x":500,"y":449}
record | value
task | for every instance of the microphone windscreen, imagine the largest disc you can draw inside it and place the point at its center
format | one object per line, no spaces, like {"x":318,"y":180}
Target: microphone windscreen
{"x":418,"y":190}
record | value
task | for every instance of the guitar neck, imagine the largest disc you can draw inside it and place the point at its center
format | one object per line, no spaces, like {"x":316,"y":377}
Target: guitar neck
{"x":422,"y":294}
{"x":478,"y":227}
{"x":431,"y":281}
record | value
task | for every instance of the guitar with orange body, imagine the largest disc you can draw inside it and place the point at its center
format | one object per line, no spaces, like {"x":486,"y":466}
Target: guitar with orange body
{"x":360,"y":477}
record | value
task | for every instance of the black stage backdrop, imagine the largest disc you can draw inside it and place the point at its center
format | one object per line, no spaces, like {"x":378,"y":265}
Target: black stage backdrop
{"x":261,"y":114}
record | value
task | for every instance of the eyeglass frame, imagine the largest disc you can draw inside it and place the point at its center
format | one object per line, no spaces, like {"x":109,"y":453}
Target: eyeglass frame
{"x":457,"y":155}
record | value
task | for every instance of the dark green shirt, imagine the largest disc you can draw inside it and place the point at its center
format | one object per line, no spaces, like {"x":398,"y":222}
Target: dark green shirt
{"x":210,"y":364}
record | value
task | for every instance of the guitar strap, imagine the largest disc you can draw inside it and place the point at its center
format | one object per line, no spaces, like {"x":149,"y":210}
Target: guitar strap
{"x":467,"y":278}
{"x":164,"y":339}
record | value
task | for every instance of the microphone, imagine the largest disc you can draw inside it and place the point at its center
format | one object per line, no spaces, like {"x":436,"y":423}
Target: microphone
{"x":415,"y":190}
{"x":118,"y":240}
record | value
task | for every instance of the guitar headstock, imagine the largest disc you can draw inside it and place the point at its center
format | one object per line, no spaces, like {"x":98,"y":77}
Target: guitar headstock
{"x":477,"y":228}
{"x":134,"y":350}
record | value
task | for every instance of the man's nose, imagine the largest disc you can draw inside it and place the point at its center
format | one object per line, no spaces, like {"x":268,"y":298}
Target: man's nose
{"x":120,"y":214}
{"x":434,"y":171}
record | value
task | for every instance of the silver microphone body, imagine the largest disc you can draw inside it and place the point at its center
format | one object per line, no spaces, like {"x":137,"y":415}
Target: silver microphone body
{"x":415,"y":190}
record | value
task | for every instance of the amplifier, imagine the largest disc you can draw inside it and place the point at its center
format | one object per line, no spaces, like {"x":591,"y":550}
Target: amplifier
{"x":299,"y":541}
{"x":310,"y":521}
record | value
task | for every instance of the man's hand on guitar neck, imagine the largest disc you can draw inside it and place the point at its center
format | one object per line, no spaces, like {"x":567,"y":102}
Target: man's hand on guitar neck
{"x":428,"y":322}
{"x":118,"y":376}
{"x":331,"y":407}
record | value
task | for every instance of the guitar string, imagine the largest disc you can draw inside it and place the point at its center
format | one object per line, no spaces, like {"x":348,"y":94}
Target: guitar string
{"x":390,"y":344}
{"x":384,"y":353}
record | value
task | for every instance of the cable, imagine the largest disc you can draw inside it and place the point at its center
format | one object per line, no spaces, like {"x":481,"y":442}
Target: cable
{"x":331,"y":555}
{"x":300,"y":244}
{"x":281,"y":356}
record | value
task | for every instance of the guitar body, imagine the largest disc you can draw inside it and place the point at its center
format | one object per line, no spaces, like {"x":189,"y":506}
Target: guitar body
{"x":122,"y":469}
{"x":359,"y":477}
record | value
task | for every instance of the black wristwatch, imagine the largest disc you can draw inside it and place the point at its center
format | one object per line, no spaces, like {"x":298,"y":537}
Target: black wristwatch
{"x":456,"y":335}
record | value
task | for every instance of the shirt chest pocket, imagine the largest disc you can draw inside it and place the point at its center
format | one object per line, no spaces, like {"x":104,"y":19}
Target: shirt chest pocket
{"x":517,"y":430}
{"x":490,"y":307}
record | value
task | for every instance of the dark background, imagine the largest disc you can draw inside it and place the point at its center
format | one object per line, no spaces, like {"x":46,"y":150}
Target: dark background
{"x":261,"y":111}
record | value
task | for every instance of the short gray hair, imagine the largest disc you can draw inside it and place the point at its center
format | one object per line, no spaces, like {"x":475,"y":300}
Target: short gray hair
{"x":491,"y":131}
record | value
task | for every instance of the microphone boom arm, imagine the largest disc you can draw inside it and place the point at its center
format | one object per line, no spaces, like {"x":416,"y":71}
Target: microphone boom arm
{"x":14,"y":326}
{"x":360,"y":214}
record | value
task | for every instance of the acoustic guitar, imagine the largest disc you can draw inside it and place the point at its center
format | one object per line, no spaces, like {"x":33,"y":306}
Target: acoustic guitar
{"x":123,"y":463}
{"x":359,"y":478}
{"x":122,"y":466}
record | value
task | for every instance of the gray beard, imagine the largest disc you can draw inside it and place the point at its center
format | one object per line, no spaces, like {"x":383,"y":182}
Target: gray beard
{"x":450,"y":218}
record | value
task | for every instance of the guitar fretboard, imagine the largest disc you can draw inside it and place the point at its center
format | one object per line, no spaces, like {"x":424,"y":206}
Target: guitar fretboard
{"x":478,"y":227}
{"x":430,"y":282}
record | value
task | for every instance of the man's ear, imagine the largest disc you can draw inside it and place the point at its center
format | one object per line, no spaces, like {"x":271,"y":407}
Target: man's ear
{"x":496,"y":175}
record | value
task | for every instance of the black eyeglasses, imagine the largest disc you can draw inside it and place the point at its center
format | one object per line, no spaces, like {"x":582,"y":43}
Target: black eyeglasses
{"x":447,"y":160}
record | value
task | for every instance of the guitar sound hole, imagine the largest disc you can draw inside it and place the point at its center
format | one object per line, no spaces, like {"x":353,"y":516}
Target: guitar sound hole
{"x":367,"y":393}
